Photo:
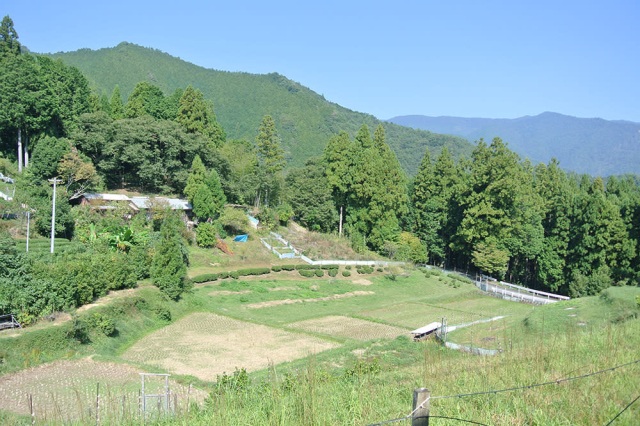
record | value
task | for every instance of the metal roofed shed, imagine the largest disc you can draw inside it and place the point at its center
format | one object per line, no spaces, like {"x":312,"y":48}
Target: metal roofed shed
{"x":425,"y":331}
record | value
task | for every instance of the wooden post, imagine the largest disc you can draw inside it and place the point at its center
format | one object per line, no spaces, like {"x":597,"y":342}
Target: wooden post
{"x":420,"y":414}
{"x":97,"y":403}
{"x":33,"y":413}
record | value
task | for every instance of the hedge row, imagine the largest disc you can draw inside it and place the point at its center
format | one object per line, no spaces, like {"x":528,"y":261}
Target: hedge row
{"x":305,"y":270}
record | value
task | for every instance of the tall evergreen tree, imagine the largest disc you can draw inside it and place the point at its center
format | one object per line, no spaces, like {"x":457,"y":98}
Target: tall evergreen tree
{"x":9,"y":44}
{"x":598,"y":247}
{"x":553,"y":186}
{"x":168,"y":268}
{"x":271,"y":161}
{"x":338,"y":160}
{"x":196,"y":116}
{"x":116,"y":107}
{"x":146,"y":99}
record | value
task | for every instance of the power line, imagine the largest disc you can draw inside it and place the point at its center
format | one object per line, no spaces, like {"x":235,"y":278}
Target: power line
{"x":554,"y":382}
{"x":493,"y":392}
{"x":623,"y":410}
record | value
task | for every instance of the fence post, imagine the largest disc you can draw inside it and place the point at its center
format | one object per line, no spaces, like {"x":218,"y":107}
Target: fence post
{"x":420,"y":414}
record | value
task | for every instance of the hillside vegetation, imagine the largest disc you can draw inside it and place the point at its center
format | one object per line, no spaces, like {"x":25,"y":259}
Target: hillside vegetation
{"x":305,"y":120}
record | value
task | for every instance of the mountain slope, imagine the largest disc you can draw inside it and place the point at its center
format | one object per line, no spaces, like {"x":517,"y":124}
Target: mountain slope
{"x":305,"y":120}
{"x":583,"y":145}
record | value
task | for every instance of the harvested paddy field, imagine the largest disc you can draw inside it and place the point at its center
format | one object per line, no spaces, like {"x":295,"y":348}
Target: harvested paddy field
{"x":270,"y":303}
{"x":206,"y":345}
{"x":67,"y":390}
{"x":350,"y":328}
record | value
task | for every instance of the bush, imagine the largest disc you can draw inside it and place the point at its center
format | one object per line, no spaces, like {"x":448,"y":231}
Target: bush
{"x":329,"y":266}
{"x":162,"y":313}
{"x":276,"y":268}
{"x":333,"y":272}
{"x":234,"y":221}
{"x":306,"y":266}
{"x":288,"y":267}
{"x":253,"y":271}
{"x":234,"y":274}
{"x":102,"y":323}
{"x":308,"y":273}
{"x":206,"y":234}
{"x":198,"y":279}
{"x":319,"y":273}
{"x":346,"y":273}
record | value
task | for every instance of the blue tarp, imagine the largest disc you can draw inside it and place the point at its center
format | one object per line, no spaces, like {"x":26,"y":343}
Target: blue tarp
{"x":241,"y":238}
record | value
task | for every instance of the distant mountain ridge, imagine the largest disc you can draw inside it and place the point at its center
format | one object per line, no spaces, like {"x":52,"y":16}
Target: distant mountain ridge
{"x":584,"y":145}
{"x":304,"y":119}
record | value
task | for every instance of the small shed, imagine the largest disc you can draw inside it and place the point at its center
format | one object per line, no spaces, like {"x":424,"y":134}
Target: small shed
{"x":427,"y":330}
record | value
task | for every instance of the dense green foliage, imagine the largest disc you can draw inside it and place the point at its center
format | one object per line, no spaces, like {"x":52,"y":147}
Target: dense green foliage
{"x":304,"y":119}
{"x":535,"y":226}
{"x":169,"y":267}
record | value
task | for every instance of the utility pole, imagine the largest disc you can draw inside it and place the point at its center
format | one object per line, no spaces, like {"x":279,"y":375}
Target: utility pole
{"x":53,"y":211}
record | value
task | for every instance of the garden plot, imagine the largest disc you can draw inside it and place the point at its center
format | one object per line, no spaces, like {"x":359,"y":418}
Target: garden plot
{"x":206,"y":345}
{"x":66,"y":390}
{"x":416,"y":315}
{"x":350,"y":328}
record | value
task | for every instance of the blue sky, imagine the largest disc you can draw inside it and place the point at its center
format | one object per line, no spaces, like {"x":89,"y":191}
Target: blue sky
{"x":468,"y":58}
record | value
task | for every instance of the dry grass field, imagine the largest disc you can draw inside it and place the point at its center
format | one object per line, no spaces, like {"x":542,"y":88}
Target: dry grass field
{"x":350,"y":328}
{"x":206,"y":345}
{"x":66,"y":390}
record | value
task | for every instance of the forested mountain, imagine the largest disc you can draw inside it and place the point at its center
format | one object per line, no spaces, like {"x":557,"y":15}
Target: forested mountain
{"x":583,"y":145}
{"x":304,"y":119}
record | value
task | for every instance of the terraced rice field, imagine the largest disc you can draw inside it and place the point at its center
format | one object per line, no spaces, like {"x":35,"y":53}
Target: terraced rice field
{"x":206,"y":345}
{"x":350,"y":328}
{"x":66,"y":390}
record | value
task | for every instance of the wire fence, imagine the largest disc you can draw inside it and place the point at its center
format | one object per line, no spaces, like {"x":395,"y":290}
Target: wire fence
{"x":430,"y":398}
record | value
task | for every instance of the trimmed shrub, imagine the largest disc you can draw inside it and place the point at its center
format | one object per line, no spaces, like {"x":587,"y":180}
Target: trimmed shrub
{"x":329,"y":266}
{"x":307,"y":273}
{"x":223,"y":275}
{"x":319,"y":273}
{"x":203,"y":278}
{"x":333,"y":272}
{"x":276,"y":268}
{"x":346,"y":273}
{"x":234,"y":274}
{"x":253,"y":271}
{"x":288,"y":267}
{"x":306,"y":266}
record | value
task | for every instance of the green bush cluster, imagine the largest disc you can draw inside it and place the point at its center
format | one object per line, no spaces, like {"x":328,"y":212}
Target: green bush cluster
{"x":330,"y":267}
{"x":306,"y":266}
{"x":333,"y":272}
{"x":203,"y":278}
{"x":288,"y":267}
{"x":346,"y":273}
{"x":253,"y":271}
{"x":365,"y":269}
{"x":308,"y":273}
